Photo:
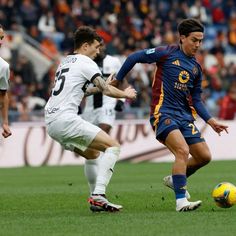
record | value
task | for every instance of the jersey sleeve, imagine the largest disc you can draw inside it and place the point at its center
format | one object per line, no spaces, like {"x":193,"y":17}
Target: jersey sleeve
{"x":151,"y":55}
{"x":197,"y":101}
{"x":90,"y":70}
{"x":4,"y":77}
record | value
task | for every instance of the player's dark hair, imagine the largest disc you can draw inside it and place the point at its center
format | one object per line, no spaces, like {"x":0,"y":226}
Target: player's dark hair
{"x":85,"y":34}
{"x":190,"y":25}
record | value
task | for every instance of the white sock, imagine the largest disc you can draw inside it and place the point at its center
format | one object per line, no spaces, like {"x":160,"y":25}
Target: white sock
{"x":105,"y":171}
{"x":182,"y":202}
{"x":91,"y":171}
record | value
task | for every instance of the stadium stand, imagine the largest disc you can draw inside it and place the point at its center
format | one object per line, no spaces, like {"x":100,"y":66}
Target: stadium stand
{"x":125,"y":26}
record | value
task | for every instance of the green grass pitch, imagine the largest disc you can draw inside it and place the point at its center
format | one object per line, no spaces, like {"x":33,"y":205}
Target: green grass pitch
{"x":53,"y":201}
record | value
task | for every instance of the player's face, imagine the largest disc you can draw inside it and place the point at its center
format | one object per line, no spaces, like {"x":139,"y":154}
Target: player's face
{"x":1,"y":36}
{"x":191,"y":43}
{"x":102,"y":53}
{"x":93,"y":49}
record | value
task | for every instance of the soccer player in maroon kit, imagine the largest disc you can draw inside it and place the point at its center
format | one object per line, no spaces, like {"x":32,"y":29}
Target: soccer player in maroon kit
{"x":228,"y":105}
{"x":176,"y":99}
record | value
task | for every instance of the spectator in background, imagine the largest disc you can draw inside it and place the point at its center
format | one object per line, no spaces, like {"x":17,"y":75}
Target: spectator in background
{"x":47,"y":27}
{"x":49,"y":48}
{"x":197,"y":10}
{"x":228,"y":104}
{"x":143,"y":23}
{"x":46,"y":23}
{"x":29,"y":13}
{"x":25,"y":69}
{"x":232,"y":29}
{"x":34,"y":32}
{"x":218,"y":15}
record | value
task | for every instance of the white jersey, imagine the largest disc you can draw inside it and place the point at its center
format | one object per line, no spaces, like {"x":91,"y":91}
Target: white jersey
{"x":73,"y":75}
{"x":4,"y":75}
{"x":109,"y":65}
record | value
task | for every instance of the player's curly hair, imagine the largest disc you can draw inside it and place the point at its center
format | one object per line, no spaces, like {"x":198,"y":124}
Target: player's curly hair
{"x":190,"y":25}
{"x":85,"y":34}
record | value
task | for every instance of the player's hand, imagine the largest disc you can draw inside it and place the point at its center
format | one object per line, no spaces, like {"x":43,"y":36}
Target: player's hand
{"x":114,"y":82}
{"x":130,"y":92}
{"x":119,"y":105}
{"x":6,"y":131}
{"x":110,"y":79}
{"x":218,"y":127}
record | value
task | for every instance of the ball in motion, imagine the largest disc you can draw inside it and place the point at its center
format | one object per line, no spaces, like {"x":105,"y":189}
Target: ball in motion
{"x":224,"y":195}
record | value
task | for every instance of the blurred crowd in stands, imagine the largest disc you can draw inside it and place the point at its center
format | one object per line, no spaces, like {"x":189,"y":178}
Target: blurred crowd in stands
{"x":126,"y":26}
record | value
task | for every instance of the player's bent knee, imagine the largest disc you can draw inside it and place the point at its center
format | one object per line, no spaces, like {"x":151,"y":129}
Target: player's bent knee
{"x":114,"y":143}
{"x":113,"y":150}
{"x":182,"y":152}
{"x":207,"y":158}
{"x":88,"y":154}
{"x":93,"y":156}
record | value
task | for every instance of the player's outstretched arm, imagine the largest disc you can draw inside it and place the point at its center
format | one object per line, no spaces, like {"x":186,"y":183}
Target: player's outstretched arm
{"x":91,"y":90}
{"x":218,"y":127}
{"x":111,"y":91}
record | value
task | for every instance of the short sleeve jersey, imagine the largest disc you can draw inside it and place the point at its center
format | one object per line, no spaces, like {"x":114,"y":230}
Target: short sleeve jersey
{"x":73,"y":76}
{"x":4,"y":75}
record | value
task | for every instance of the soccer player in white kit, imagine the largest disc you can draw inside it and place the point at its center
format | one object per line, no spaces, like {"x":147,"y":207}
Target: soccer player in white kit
{"x":4,"y":86}
{"x":63,"y":124}
{"x":100,"y":110}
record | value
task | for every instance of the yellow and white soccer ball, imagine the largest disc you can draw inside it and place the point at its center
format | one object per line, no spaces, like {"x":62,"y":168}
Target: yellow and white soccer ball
{"x":224,"y":194}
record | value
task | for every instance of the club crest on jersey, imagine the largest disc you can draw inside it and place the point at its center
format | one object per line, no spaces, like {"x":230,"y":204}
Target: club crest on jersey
{"x":184,"y":76}
{"x":195,"y":70}
{"x":167,"y":121}
{"x":150,"y":51}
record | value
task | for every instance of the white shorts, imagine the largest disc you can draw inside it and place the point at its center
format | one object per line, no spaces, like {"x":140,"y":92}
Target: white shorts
{"x":71,"y":131}
{"x":102,"y":115}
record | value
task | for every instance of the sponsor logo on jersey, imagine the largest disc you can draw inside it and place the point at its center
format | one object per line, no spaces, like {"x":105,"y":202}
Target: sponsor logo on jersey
{"x":52,"y":110}
{"x":184,"y":76}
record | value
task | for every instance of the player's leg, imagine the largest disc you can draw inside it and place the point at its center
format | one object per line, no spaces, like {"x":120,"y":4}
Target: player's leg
{"x":178,"y":146}
{"x":91,"y":171}
{"x":79,"y":136}
{"x":92,"y":158}
{"x":111,"y":148}
{"x":91,"y":165}
{"x":201,"y":156}
{"x":197,"y":146}
{"x":105,"y":117}
{"x":166,"y":127}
